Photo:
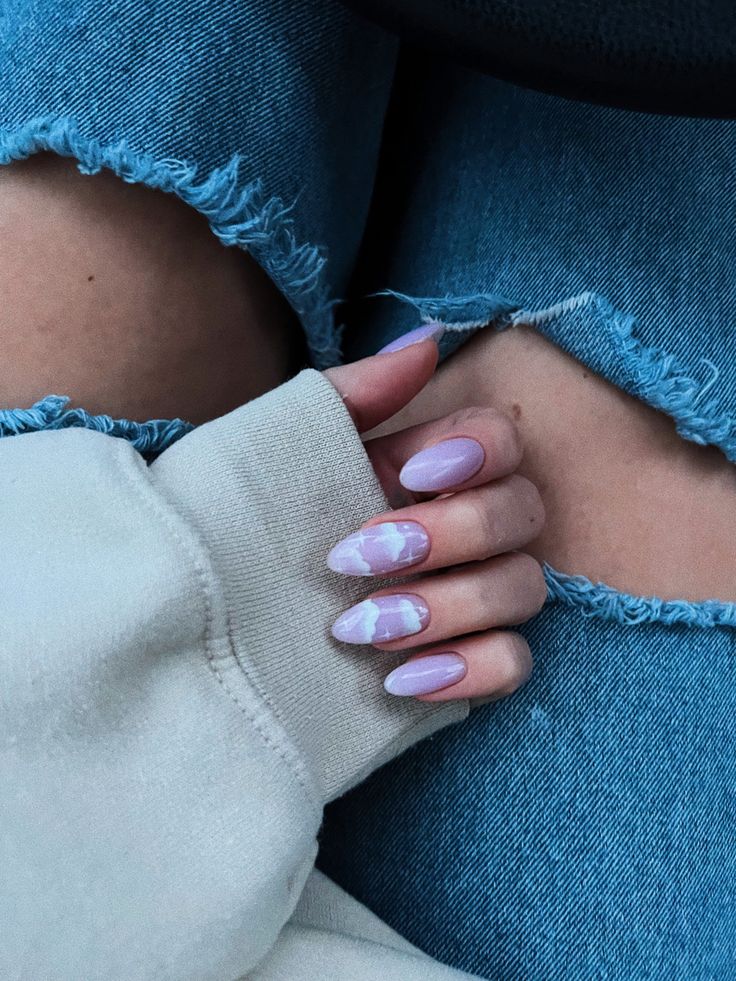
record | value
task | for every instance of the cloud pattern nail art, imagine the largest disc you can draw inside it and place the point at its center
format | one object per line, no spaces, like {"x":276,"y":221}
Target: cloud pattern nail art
{"x":379,"y":620}
{"x":381,"y":548}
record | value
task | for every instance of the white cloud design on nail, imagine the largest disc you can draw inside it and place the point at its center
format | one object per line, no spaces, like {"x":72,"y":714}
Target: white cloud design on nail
{"x":410,"y":616}
{"x":346,"y":556}
{"x":359,"y":624}
{"x":392,"y":539}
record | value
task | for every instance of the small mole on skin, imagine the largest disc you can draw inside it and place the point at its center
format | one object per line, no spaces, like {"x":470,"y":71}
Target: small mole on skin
{"x":90,"y":279}
{"x":516,"y":410}
{"x":585,"y":374}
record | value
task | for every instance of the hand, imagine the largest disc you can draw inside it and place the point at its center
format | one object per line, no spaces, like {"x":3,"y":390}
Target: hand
{"x":461,"y":515}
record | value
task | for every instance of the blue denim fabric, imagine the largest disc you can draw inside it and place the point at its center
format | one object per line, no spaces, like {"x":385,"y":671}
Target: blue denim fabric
{"x":534,"y":200}
{"x":586,"y":826}
{"x":239,"y":108}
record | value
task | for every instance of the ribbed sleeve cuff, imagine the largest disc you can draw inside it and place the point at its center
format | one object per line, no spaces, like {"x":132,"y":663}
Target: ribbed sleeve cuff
{"x":271,"y":487}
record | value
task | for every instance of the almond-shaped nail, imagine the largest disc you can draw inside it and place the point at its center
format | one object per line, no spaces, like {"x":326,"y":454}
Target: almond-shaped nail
{"x":433,"y":331}
{"x":444,"y":465}
{"x":380,"y":548}
{"x":423,"y":675}
{"x":384,"y":618}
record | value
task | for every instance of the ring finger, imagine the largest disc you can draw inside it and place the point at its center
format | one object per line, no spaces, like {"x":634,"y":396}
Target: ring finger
{"x":501,"y":591}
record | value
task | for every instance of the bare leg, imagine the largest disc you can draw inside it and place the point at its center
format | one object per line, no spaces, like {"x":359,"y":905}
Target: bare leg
{"x":123,"y":299}
{"x":628,"y":501}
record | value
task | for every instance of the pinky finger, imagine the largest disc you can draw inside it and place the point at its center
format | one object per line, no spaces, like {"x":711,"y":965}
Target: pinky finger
{"x":489,"y":665}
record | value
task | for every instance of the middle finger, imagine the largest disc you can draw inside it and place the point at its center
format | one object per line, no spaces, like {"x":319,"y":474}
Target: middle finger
{"x":468,"y":526}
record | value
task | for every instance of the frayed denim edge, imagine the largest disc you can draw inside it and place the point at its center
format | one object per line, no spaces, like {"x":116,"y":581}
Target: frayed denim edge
{"x":604,"y":602}
{"x":656,"y":378}
{"x":652,"y":375}
{"x":238,"y":214}
{"x":149,"y":438}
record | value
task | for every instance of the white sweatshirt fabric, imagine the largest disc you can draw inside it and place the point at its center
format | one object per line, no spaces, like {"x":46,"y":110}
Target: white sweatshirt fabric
{"x":174,"y":712}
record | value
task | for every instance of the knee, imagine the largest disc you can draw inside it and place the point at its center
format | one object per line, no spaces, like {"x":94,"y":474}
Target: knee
{"x":122,"y":298}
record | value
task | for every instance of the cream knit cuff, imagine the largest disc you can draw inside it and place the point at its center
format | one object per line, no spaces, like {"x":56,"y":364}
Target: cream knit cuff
{"x":271,"y":487}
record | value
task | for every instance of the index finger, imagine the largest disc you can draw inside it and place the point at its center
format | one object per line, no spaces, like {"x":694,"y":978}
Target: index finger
{"x":445,"y":455}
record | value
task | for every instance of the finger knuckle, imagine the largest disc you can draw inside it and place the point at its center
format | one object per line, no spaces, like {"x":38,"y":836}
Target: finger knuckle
{"x":516,"y":656}
{"x":523,"y":507}
{"x":533,"y":581}
{"x":508,"y":440}
{"x":527,"y":493}
{"x":482,"y":598}
{"x":504,"y":434}
{"x":468,"y":414}
{"x":485,"y":522}
{"x":538,"y":512}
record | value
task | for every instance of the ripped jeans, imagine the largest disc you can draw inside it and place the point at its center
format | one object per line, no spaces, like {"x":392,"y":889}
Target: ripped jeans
{"x":586,"y":826}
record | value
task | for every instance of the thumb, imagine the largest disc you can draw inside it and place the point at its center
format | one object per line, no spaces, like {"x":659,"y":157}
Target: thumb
{"x":373,"y":389}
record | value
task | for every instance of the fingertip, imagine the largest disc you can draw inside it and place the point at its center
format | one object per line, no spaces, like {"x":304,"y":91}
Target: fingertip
{"x":431,"y":331}
{"x":375,"y":388}
{"x":498,"y":664}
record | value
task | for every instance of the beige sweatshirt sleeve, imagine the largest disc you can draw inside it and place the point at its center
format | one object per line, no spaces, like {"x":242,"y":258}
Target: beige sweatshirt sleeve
{"x":174,"y":712}
{"x":332,"y":937}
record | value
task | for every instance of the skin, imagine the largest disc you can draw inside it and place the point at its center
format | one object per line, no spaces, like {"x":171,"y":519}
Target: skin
{"x":474,"y":591}
{"x":121,"y":298}
{"x":628,"y":502}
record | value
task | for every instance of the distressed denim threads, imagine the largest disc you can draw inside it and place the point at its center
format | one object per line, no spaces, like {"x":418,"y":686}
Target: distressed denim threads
{"x":585,"y":827}
{"x":240,"y":109}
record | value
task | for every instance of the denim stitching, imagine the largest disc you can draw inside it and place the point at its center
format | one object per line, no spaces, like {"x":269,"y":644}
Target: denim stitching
{"x":239,"y":214}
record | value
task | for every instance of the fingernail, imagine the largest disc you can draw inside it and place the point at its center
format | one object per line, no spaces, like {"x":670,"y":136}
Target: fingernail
{"x":376,"y":621}
{"x":380,"y":548}
{"x":426,"y":674}
{"x":446,"y":464}
{"x":423,"y":333}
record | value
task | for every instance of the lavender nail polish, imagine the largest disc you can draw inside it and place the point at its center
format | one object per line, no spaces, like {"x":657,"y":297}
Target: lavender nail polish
{"x":433,"y":331}
{"x":426,"y":674}
{"x":381,"y":548}
{"x":376,"y":621}
{"x":444,"y":465}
